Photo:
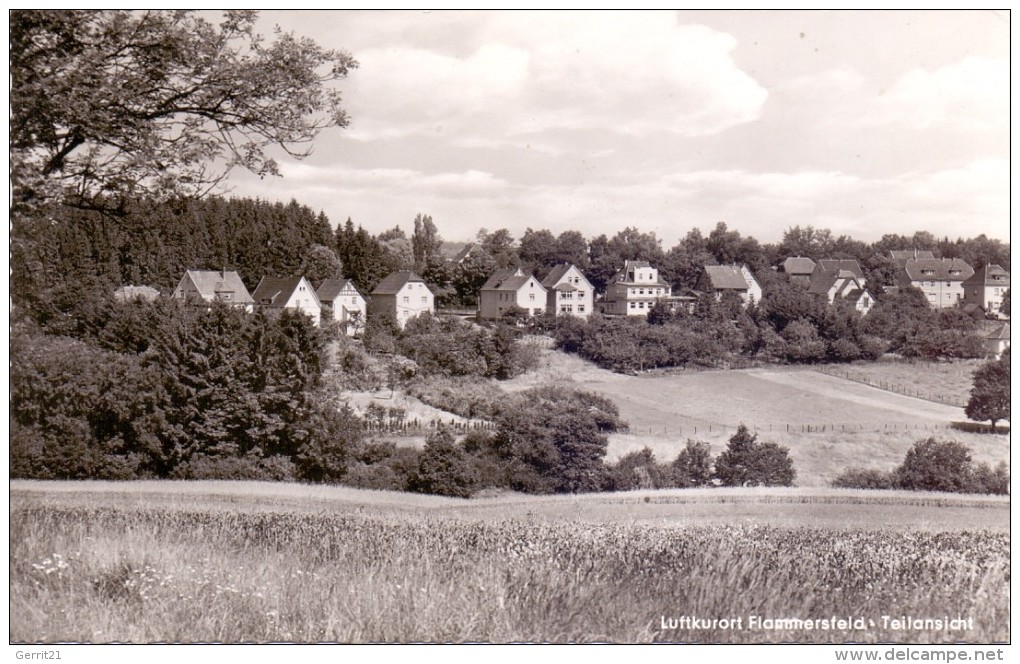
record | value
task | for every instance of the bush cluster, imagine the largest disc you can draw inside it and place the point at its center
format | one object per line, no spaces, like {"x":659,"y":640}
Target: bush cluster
{"x":932,"y":465}
{"x":164,"y":389}
{"x":788,"y":325}
{"x":744,"y":462}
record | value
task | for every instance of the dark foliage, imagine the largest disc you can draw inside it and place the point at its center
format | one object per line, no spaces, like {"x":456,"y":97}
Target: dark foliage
{"x":443,"y":468}
{"x":747,"y":462}
{"x":990,"y":395}
{"x":865,"y":478}
{"x":933,"y":465}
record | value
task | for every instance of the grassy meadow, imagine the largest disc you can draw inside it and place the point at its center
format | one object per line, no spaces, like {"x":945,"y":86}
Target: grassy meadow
{"x":828,"y":423}
{"x":251,"y":562}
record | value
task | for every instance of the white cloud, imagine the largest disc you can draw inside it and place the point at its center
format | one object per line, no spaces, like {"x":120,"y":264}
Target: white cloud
{"x":970,"y":94}
{"x":632,"y":73}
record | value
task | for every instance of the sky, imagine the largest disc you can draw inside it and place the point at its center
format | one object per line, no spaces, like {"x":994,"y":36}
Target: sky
{"x":862,"y":122}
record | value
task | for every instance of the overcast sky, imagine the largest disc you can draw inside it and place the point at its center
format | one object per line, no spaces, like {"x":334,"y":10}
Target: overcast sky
{"x":865,"y":123}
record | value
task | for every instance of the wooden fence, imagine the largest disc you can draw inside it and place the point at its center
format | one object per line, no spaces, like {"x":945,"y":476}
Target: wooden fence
{"x":927,"y":395}
{"x":851,"y":427}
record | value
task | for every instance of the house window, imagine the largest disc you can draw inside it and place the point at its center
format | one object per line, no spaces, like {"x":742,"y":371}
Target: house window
{"x":565,"y":309}
{"x":633,"y":305}
{"x":580,"y":308}
{"x":580,"y":294}
{"x":641,"y":305}
{"x":407,"y":300}
{"x":531,"y":296}
{"x":424,"y":300}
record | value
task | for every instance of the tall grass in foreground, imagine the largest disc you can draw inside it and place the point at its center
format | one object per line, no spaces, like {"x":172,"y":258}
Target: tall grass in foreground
{"x":97,"y":574}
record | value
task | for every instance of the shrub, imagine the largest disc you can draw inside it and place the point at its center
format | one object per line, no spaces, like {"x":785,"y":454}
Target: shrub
{"x":932,"y":465}
{"x":693,"y":466}
{"x":462,"y":395}
{"x":986,"y":480}
{"x":746,"y":462}
{"x":636,"y":470}
{"x":443,"y":468}
{"x":334,"y":431}
{"x":865,"y":478}
{"x":252,"y":466}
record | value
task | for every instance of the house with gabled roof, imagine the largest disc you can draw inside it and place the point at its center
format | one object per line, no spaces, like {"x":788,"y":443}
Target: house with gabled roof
{"x":941,"y":279}
{"x":634,"y":290}
{"x":840,"y":283}
{"x":997,"y":340}
{"x":465,"y":252}
{"x":733,"y":278}
{"x":848,"y":265}
{"x":509,"y":288}
{"x":343,"y":303}
{"x":225,"y":286}
{"x":985,"y":288}
{"x":798,"y":269}
{"x":901,"y":255}
{"x":274,"y":294}
{"x":569,"y":292}
{"x":403,"y":294}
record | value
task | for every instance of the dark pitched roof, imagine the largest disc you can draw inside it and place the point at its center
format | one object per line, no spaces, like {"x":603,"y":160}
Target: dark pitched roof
{"x":822,"y":280}
{"x":509,"y":279}
{"x":558,"y":272}
{"x":855,"y":294}
{"x":904,"y":254}
{"x":275,"y":291}
{"x":849,"y":264}
{"x":937,"y":269}
{"x":1000,"y":333}
{"x":331,"y":288}
{"x":726,"y":277}
{"x":210,"y":283}
{"x":986,"y":276}
{"x":463,"y":253}
{"x":798,"y":265}
{"x":392,"y":284}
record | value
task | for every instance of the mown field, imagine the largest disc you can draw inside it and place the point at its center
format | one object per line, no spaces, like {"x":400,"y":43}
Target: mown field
{"x":828,"y":423}
{"x":250,"y":562}
{"x":943,"y":382}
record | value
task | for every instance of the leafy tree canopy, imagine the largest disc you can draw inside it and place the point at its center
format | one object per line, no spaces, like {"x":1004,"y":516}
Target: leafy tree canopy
{"x":107,"y":105}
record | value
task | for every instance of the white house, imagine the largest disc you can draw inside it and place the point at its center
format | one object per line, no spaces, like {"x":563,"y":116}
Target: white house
{"x":735,"y":278}
{"x":343,"y":303}
{"x":634,"y":290}
{"x":510,"y":288}
{"x":569,"y":292}
{"x":274,"y":294}
{"x":403,"y":294}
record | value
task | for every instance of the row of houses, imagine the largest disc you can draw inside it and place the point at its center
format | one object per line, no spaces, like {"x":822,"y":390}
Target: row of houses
{"x":632,"y":291}
{"x":945,"y":282}
{"x":335,"y":300}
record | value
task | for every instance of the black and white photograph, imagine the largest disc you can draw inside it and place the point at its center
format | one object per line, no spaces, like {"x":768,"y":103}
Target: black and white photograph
{"x":348,"y":327}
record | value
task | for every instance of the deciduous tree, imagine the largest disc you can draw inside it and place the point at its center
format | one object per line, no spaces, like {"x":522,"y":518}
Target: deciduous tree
{"x":989,"y":397}
{"x":108,"y":105}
